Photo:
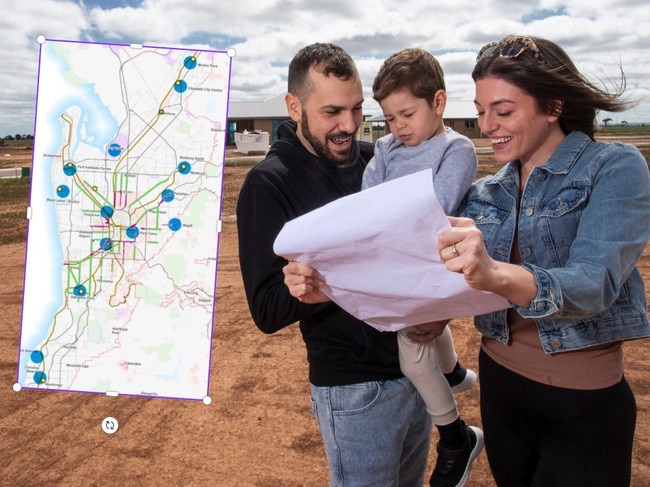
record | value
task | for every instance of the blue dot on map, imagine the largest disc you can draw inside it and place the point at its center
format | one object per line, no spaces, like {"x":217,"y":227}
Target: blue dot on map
{"x":105,"y":244}
{"x":184,"y":167}
{"x":190,"y":62}
{"x":79,"y":290}
{"x":114,"y":150}
{"x":175,"y":224}
{"x":62,"y":191}
{"x":40,"y":377}
{"x":69,"y":169}
{"x":106,"y":211}
{"x":132,"y":231}
{"x":36,"y":356}
{"x":180,"y":86}
{"x":167,"y":195}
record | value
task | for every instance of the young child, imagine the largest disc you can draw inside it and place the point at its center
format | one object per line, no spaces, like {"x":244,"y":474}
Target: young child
{"x":410,"y":89}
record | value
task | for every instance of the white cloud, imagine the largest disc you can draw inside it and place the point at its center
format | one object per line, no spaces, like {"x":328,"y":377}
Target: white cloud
{"x":266,"y":34}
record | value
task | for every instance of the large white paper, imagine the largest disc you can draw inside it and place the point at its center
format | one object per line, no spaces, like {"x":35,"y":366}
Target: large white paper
{"x":377,"y":251}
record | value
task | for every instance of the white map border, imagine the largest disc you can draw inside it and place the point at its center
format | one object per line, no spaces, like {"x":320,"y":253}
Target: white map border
{"x":125,"y":216}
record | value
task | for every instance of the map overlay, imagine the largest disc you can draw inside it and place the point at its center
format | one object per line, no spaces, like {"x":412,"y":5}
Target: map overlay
{"x":124,"y":219}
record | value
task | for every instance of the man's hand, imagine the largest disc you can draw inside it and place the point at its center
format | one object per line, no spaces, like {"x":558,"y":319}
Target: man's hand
{"x":304,"y":283}
{"x":427,"y":331}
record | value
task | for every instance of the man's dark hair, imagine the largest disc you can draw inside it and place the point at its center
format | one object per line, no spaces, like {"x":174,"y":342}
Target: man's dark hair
{"x":328,"y":59}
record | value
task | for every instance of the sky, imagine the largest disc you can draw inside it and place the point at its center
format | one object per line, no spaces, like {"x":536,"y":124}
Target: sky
{"x":266,"y":34}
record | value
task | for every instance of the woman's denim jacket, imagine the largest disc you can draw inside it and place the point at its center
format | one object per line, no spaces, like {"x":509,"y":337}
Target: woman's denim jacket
{"x":584,"y":221}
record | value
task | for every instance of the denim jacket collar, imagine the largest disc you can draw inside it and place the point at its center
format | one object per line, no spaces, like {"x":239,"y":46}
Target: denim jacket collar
{"x":561,"y":162}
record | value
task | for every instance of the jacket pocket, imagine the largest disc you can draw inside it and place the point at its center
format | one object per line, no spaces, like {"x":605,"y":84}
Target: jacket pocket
{"x":559,"y":217}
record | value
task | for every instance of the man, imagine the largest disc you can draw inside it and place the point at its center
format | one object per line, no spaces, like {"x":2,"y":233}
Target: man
{"x":374,"y":425}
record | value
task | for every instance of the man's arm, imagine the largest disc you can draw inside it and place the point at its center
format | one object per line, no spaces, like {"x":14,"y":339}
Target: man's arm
{"x":260,"y":217}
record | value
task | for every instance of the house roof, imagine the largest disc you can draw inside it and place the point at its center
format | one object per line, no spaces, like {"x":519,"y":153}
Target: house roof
{"x":275,"y":107}
{"x":271,"y":108}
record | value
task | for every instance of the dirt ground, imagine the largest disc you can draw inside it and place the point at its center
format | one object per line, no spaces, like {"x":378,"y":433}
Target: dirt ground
{"x":258,"y":430}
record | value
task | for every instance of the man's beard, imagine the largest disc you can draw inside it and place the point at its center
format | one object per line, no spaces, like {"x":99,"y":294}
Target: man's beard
{"x":322,"y":150}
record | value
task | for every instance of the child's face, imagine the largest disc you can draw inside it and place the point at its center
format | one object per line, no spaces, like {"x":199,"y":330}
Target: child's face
{"x":413,"y":120}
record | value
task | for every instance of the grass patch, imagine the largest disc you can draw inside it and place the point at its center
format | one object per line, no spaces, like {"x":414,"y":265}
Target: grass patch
{"x":12,"y":188}
{"x":14,"y":199}
{"x":16,"y":231}
{"x":625,"y":130}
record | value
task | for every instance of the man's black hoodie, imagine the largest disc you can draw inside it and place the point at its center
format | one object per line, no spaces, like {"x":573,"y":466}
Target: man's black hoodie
{"x":288,"y":183}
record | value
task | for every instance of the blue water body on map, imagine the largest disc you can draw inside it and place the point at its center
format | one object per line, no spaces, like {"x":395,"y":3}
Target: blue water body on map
{"x":42,"y":189}
{"x":97,"y":128}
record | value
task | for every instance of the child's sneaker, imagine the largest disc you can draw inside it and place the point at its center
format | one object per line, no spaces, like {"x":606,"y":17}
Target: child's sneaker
{"x":461,"y":379}
{"x":453,"y":466}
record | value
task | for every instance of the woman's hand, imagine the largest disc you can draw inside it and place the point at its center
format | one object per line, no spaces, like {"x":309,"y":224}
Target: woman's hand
{"x":304,"y":283}
{"x":462,"y":250}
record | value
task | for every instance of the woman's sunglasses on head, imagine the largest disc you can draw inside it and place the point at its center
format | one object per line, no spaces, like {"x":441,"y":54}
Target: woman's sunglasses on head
{"x":510,"y":47}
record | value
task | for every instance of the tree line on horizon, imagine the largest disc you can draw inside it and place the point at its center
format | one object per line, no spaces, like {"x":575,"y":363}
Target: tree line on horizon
{"x":17,"y":140}
{"x":18,"y":137}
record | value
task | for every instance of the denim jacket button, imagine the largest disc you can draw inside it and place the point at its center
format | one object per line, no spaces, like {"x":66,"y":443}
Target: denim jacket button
{"x":556,"y":343}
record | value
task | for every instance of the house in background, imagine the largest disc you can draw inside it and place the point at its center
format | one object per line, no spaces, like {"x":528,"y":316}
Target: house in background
{"x":265,"y":116}
{"x":459,"y":116}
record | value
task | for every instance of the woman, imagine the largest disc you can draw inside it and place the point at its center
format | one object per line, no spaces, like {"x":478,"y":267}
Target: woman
{"x":558,"y":232}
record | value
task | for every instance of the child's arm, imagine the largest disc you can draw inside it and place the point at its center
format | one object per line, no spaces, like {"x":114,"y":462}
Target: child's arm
{"x":375,"y":172}
{"x":455,"y":175}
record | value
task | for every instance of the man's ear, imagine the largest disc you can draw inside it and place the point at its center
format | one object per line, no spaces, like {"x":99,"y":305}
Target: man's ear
{"x":294,"y":107}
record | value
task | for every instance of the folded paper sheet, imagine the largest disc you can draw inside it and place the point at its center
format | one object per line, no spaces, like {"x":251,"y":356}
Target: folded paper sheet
{"x":377,"y":251}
